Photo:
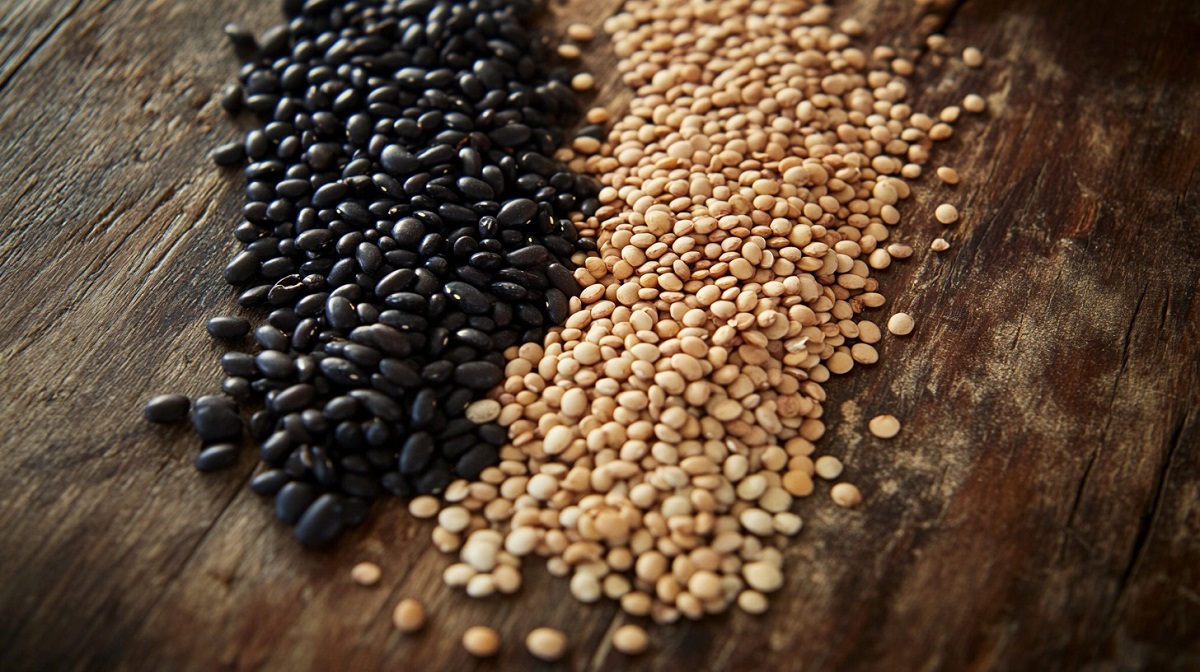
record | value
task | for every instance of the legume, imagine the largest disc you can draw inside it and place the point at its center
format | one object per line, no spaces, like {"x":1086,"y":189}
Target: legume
{"x":405,"y":224}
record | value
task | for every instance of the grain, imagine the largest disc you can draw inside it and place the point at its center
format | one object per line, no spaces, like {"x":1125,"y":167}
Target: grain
{"x":972,"y":57}
{"x":845,"y":495}
{"x":884,"y":426}
{"x":630,"y":640}
{"x":974,"y":103}
{"x":946,"y":213}
{"x":408,"y":616}
{"x":366,"y":573}
{"x":947,"y":174}
{"x":900,"y":324}
{"x":580,"y":32}
{"x":546,"y":644}
{"x":481,"y":641}
{"x":939,"y":245}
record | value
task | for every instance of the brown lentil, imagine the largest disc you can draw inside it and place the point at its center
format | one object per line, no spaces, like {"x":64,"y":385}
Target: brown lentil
{"x":631,"y":640}
{"x":408,"y":616}
{"x":481,"y":641}
{"x":546,"y":644}
{"x":366,"y":573}
{"x":884,"y":426}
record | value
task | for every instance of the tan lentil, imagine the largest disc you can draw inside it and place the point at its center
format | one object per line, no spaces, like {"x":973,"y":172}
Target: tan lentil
{"x":366,"y":573}
{"x":481,"y":641}
{"x":546,"y":644}
{"x":884,"y":426}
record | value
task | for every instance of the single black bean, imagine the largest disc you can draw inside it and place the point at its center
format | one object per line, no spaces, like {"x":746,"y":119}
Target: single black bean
{"x":167,"y":408}
{"x":321,"y":523}
{"x":293,"y":499}
{"x":217,"y":456}
{"x":269,"y":482}
{"x":216,"y":424}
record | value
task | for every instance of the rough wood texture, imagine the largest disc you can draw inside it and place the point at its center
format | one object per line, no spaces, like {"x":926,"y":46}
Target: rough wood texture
{"x":1041,"y":509}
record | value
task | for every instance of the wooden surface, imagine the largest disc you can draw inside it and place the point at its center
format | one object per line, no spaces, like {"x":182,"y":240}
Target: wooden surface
{"x":1041,"y":509}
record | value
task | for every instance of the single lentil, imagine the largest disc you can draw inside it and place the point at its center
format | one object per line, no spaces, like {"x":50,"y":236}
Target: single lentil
{"x":900,"y":324}
{"x":546,"y":644}
{"x":884,"y":426}
{"x":366,"y":573}
{"x":481,"y":641}
{"x":408,"y":616}
{"x":630,"y":640}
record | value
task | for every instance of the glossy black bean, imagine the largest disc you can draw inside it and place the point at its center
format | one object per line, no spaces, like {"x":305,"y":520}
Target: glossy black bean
{"x":216,"y":424}
{"x":216,"y":457}
{"x":321,"y":522}
{"x":167,"y":408}
{"x":293,"y":499}
{"x":269,"y":482}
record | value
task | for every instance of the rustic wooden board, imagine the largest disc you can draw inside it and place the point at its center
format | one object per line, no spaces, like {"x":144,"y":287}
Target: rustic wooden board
{"x":1041,"y":509}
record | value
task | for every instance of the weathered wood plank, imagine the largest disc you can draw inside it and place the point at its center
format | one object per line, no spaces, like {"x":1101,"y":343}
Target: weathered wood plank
{"x":1040,"y":510}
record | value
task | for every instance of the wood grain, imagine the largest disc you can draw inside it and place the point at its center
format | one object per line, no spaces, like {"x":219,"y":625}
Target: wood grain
{"x":1040,"y":510}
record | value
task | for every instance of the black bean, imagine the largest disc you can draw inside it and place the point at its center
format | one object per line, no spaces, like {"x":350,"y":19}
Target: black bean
{"x":470,"y":300}
{"x":229,"y":154}
{"x":275,"y":364}
{"x":216,"y":424}
{"x":167,"y":408}
{"x":243,"y":267}
{"x":478,"y":375}
{"x":517,"y":211}
{"x":294,"y":398}
{"x":269,"y":482}
{"x":293,"y":499}
{"x":474,"y":461}
{"x":217,"y":456}
{"x":405,"y":223}
{"x":321,"y":523}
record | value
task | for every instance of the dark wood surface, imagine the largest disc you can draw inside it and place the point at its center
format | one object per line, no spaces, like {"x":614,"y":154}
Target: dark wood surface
{"x":1040,"y":510}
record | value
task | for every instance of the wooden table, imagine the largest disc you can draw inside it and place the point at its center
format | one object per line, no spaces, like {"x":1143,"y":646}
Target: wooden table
{"x":1040,"y":510}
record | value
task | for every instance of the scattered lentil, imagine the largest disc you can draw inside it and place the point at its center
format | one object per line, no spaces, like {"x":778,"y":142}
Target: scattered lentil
{"x":481,"y":641}
{"x":939,"y":245}
{"x":366,"y":573}
{"x":946,"y":213}
{"x":546,"y":644}
{"x":974,"y":103}
{"x":884,"y":426}
{"x":972,"y":57}
{"x":408,"y":616}
{"x":631,"y":640}
{"x":900,"y":324}
{"x":846,"y":495}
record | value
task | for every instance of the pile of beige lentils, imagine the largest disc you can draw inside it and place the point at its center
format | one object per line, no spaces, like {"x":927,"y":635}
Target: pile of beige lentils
{"x":660,"y":438}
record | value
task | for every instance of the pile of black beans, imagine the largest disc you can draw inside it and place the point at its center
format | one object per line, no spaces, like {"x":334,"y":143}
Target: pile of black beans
{"x":405,"y":223}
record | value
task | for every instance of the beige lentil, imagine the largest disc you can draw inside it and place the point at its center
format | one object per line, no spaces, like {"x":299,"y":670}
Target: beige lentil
{"x":939,"y":245}
{"x":946,"y":213}
{"x":947,"y":174}
{"x":884,"y":426}
{"x":846,"y":495}
{"x":366,"y":573}
{"x":583,"y":81}
{"x":630,"y":640}
{"x":408,"y":616}
{"x":580,"y":32}
{"x":900,"y":324}
{"x":481,"y":641}
{"x":974,"y":103}
{"x":546,"y":644}
{"x":972,"y":57}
